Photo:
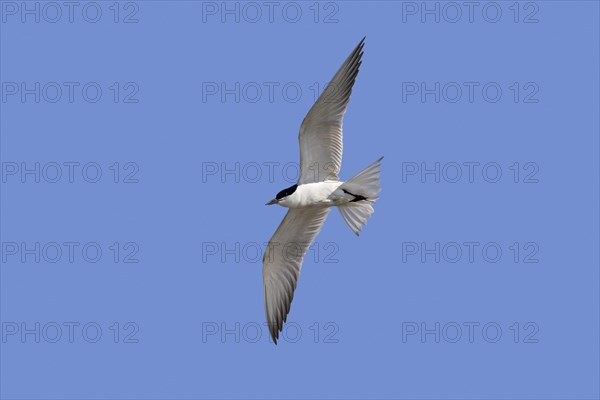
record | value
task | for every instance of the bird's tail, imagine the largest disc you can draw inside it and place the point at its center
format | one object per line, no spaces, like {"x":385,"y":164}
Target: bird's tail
{"x":365,"y":187}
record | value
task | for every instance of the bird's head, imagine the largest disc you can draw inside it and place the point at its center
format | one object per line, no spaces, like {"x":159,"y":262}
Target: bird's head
{"x":282,"y":196}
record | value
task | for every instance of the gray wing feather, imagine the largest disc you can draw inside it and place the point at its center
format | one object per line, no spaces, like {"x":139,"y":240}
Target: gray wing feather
{"x":282,"y":261}
{"x":321,"y":131}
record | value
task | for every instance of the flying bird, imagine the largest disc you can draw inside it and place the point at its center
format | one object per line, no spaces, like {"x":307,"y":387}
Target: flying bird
{"x":318,"y":189}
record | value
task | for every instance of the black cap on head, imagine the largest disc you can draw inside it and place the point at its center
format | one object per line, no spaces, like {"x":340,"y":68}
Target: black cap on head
{"x":286,"y":192}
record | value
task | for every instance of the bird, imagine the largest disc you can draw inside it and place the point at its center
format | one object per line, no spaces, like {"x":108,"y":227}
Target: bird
{"x":317,"y":190}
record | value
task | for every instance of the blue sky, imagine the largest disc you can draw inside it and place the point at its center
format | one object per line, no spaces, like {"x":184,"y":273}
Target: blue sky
{"x":140,"y":141}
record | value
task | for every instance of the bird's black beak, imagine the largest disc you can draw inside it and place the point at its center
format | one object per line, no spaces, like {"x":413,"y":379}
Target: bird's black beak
{"x":274,"y":201}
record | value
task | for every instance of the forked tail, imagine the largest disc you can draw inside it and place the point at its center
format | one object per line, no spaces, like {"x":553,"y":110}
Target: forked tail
{"x":365,"y":186}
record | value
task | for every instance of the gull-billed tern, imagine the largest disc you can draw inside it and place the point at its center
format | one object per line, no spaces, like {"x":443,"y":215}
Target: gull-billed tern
{"x":318,"y":189}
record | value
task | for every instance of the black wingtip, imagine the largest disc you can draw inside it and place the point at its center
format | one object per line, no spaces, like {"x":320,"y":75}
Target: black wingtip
{"x":360,"y":48}
{"x":273,"y":332}
{"x":360,"y":45}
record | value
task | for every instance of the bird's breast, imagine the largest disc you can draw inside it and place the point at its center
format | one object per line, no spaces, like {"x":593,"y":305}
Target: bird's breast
{"x":311,"y":194}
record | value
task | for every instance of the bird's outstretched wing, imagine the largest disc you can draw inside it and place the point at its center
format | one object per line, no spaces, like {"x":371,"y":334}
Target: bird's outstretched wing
{"x":321,"y":131}
{"x":283,"y":260}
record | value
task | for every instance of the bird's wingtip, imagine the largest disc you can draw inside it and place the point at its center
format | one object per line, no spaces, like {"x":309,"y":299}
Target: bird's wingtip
{"x":274,"y":334}
{"x":361,"y":44}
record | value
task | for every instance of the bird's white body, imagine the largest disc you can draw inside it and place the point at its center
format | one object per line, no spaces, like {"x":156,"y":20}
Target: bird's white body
{"x":325,"y":194}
